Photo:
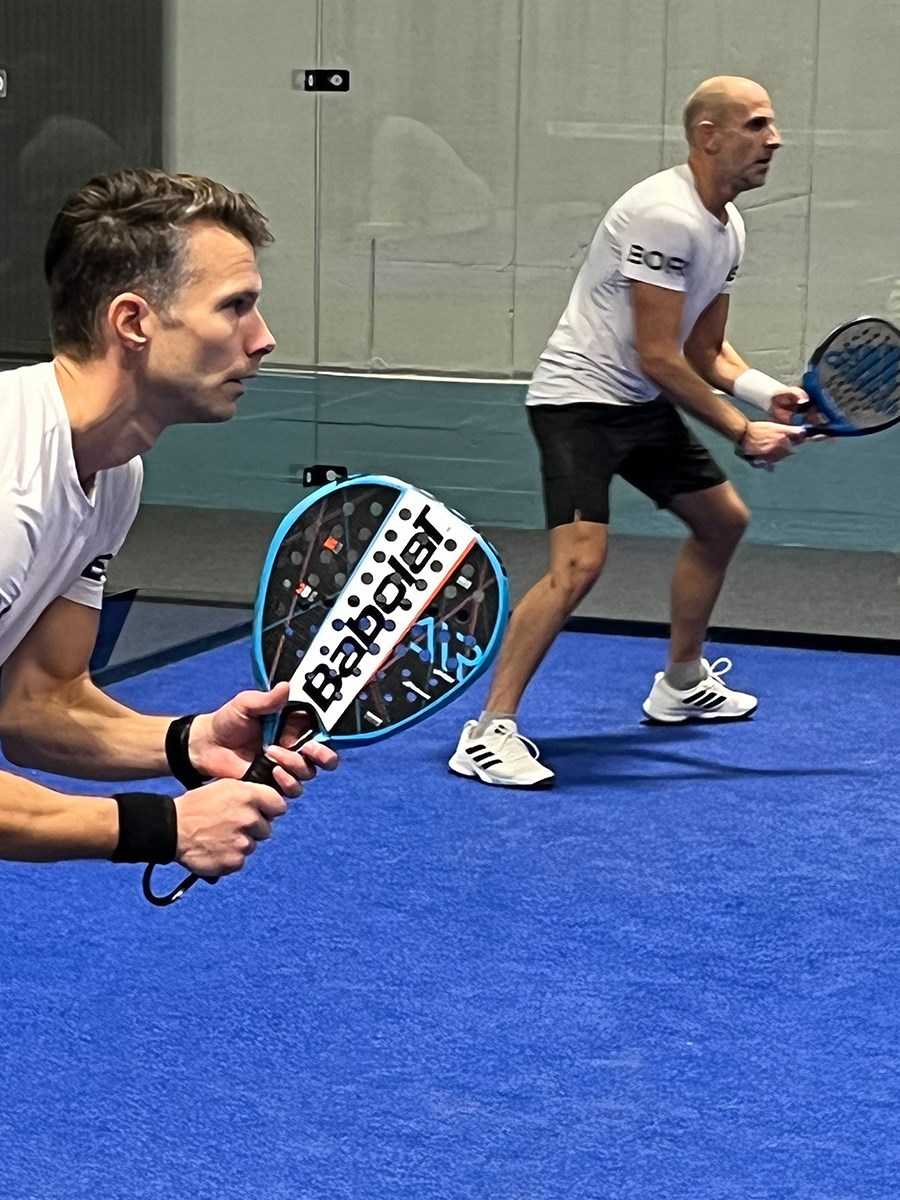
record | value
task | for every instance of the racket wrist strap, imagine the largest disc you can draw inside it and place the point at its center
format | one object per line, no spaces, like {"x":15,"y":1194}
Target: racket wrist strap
{"x":148,"y":828}
{"x":177,"y":737}
{"x":757,"y":388}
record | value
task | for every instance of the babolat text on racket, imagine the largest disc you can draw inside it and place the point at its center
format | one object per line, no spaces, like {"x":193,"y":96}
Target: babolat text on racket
{"x":379,"y":605}
{"x":853,"y":378}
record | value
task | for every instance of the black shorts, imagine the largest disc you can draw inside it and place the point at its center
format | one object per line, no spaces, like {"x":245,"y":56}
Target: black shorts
{"x":584,"y":445}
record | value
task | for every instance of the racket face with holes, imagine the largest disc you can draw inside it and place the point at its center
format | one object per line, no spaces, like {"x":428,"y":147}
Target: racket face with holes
{"x":854,"y":378}
{"x":379,"y":604}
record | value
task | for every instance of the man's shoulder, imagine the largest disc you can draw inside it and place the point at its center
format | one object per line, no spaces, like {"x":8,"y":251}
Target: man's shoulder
{"x":669,"y":188}
{"x":735,"y":218}
{"x":22,"y":382}
{"x":122,"y":490}
{"x":27,"y":412}
{"x":661,"y":206}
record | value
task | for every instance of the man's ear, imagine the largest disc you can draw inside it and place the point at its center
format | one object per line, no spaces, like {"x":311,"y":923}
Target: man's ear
{"x":129,"y":317}
{"x":708,"y":137}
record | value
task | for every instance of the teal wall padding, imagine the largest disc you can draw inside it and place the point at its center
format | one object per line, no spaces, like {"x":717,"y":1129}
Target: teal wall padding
{"x":469,"y":443}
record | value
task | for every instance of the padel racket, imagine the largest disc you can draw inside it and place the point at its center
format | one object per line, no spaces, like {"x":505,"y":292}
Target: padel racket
{"x":853,"y":378}
{"x":379,"y":605}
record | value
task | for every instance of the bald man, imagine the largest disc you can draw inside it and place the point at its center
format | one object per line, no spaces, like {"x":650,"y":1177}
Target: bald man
{"x":643,"y":338}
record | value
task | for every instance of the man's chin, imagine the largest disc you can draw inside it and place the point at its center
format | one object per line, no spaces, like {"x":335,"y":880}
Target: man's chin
{"x":213,"y":413}
{"x":747,"y":183}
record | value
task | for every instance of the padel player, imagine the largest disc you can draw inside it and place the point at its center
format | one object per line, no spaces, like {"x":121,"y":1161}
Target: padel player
{"x":153,"y":296}
{"x":643,"y":336}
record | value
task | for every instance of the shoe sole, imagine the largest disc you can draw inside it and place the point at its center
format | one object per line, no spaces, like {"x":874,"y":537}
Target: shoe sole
{"x":696,"y":718}
{"x":527,"y":787}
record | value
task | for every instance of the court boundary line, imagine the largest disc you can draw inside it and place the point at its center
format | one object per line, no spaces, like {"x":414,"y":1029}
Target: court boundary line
{"x":787,"y":638}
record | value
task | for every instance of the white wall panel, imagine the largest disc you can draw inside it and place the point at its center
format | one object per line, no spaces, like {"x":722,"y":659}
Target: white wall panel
{"x":591,"y":107}
{"x":854,"y":231}
{"x":463,"y":176}
{"x":775,"y":45}
{"x":232,"y":114}
{"x":418,"y":185}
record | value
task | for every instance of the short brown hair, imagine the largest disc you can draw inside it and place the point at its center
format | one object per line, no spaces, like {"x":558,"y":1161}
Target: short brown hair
{"x":127,"y":231}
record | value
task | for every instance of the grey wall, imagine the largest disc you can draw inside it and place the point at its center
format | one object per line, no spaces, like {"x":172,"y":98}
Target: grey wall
{"x":433,"y":219}
{"x":84,"y":95}
{"x":469,"y":444}
{"x":458,"y":182}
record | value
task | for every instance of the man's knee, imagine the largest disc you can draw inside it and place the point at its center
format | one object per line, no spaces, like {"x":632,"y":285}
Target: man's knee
{"x":726,"y":525}
{"x":576,"y":572}
{"x":718,"y":517}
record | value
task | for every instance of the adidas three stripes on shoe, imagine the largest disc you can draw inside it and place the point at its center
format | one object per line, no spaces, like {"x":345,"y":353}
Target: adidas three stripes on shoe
{"x":500,"y":756}
{"x":708,"y":700}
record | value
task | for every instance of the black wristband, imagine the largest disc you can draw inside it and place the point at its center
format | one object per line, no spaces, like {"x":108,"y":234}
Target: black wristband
{"x":148,"y":828}
{"x":177,"y":753}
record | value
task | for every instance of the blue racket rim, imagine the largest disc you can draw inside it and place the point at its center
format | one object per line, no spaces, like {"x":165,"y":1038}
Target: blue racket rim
{"x":260,"y":672}
{"x":836,"y":424}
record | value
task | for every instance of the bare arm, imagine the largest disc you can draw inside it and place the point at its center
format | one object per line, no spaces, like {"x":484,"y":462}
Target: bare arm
{"x":706,"y":362}
{"x":721,"y":366}
{"x":706,"y":349}
{"x":40,"y":825}
{"x":218,"y":826}
{"x":53,"y":717}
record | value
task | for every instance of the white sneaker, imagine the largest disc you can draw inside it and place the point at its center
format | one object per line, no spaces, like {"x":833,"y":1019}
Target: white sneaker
{"x":709,"y":700}
{"x":499,"y":756}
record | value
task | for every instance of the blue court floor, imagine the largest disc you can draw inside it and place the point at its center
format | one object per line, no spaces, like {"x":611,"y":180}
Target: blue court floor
{"x":674,"y":976}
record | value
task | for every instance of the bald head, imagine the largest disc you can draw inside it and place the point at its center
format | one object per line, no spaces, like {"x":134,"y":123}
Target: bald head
{"x":719,"y":100}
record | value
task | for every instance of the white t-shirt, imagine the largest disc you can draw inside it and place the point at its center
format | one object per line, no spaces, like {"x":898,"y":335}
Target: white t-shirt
{"x":659,"y":232}
{"x":54,"y":540}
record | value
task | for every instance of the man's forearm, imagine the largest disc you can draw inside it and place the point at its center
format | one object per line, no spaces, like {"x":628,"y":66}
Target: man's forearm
{"x":681,"y":383}
{"x":725,"y":368}
{"x":83,"y":733}
{"x":40,"y":825}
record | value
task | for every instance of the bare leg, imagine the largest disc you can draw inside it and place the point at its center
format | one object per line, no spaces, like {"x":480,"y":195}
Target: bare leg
{"x":577,"y":555}
{"x":717,"y":518}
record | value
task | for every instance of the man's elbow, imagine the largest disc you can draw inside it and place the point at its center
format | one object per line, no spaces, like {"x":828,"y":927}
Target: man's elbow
{"x":656,"y":365}
{"x":19,"y":748}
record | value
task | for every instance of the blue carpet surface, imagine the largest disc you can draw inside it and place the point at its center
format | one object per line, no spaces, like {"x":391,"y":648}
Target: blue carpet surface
{"x":674,"y":976}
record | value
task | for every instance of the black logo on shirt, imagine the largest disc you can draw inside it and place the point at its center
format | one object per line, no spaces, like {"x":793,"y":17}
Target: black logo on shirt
{"x":96,"y":570}
{"x":731,"y":274}
{"x":657,"y":261}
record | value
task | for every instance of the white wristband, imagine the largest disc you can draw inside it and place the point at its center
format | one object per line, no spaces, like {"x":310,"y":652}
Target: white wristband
{"x":757,"y":388}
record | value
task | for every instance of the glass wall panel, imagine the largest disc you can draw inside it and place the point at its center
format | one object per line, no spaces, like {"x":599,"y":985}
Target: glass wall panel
{"x":235,"y":111}
{"x":82,"y":96}
{"x":418,"y":185}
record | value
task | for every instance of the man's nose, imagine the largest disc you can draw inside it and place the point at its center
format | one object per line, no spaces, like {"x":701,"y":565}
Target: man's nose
{"x":263,"y":341}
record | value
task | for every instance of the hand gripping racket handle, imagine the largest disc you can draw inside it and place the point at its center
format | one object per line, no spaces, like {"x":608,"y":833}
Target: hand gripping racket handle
{"x":261,"y":770}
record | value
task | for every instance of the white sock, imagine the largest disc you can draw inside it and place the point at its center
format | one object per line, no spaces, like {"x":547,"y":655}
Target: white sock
{"x":684,"y":675}
{"x":486,"y":717}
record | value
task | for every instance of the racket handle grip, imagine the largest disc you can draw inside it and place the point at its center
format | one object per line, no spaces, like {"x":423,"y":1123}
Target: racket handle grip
{"x":262,"y":770}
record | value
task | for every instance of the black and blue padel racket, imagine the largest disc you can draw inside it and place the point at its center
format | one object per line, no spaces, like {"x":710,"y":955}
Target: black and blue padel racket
{"x":379,"y":605}
{"x":853,"y":378}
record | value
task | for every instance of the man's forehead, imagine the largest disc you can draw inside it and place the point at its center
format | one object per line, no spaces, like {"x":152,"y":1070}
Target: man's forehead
{"x":214,"y":251}
{"x":756,"y":103}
